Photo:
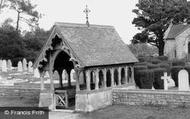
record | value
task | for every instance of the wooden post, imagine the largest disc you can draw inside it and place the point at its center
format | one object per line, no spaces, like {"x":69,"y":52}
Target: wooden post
{"x":42,"y":82}
{"x":112,"y":77}
{"x":88,"y":80}
{"x":126,"y":75}
{"x":132,"y":75}
{"x":77,"y":73}
{"x":97,"y":79}
{"x":119,"y":76}
{"x":105,"y":78}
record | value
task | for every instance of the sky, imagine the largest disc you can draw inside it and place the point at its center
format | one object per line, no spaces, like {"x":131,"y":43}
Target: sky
{"x":117,"y":13}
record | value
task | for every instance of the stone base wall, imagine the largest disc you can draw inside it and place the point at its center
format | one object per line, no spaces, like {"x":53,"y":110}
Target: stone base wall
{"x":150,"y":97}
{"x":87,"y":102}
{"x":47,"y":100}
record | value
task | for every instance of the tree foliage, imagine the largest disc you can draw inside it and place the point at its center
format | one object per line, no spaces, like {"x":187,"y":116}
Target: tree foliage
{"x":25,"y":12}
{"x":154,"y":17}
{"x":15,"y":46}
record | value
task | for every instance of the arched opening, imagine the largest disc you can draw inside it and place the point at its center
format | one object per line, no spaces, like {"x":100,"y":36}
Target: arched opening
{"x":123,"y":76}
{"x":62,"y":62}
{"x":92,"y":80}
{"x":129,"y":74}
{"x":108,"y":75}
{"x":101,"y":79}
{"x":82,"y":81}
{"x":116,"y":82}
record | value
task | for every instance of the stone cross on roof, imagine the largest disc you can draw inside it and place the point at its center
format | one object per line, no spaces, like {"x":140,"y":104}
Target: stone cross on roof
{"x":87,"y":11}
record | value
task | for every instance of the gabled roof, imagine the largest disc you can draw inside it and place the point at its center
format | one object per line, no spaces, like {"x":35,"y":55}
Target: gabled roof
{"x":174,"y":30}
{"x":95,"y":45}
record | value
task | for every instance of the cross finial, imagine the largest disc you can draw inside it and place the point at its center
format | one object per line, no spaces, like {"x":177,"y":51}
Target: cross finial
{"x":87,"y":11}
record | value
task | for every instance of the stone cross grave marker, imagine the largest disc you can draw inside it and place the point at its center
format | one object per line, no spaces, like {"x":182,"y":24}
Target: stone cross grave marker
{"x":4,"y":66}
{"x":183,"y":80}
{"x":36,"y":73}
{"x":24,"y":62}
{"x":19,"y":66}
{"x":166,"y":78}
{"x":30,"y":68}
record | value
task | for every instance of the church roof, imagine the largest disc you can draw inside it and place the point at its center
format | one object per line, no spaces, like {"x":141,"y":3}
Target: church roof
{"x":174,"y":30}
{"x":95,"y":45}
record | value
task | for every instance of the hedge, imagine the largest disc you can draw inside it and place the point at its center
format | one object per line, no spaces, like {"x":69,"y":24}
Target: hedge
{"x":178,"y":63}
{"x":165,"y":66}
{"x":152,"y":66}
{"x":146,"y":78}
{"x":136,"y":74}
{"x":158,"y":82}
{"x":162,"y":58}
{"x":174,"y":73}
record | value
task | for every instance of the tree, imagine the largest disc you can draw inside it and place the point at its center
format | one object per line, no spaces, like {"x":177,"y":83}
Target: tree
{"x":11,"y":43}
{"x":34,"y":40}
{"x":25,"y":7}
{"x":154,"y":17}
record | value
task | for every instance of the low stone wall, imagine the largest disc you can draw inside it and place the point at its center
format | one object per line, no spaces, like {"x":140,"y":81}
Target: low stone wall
{"x":151,"y":97}
{"x":90,"y":101}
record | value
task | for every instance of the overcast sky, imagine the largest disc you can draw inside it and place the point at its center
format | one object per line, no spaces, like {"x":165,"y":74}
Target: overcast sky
{"x":117,"y":13}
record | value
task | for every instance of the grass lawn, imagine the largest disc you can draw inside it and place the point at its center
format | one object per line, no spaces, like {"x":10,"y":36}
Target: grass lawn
{"x":128,"y":112}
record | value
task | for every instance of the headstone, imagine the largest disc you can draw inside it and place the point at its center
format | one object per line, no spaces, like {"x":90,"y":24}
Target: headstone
{"x":36,"y":73}
{"x":165,"y":78}
{"x":171,"y":82}
{"x":9,"y":64}
{"x":30,"y":68}
{"x":55,"y":75}
{"x":183,"y":80}
{"x":4,"y":66}
{"x":19,"y":66}
{"x":65,"y":75}
{"x":24,"y":62}
{"x":46,"y":74}
{"x":73,"y":75}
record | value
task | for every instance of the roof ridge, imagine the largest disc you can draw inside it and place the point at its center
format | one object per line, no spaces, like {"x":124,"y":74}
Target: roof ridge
{"x":81,"y":25}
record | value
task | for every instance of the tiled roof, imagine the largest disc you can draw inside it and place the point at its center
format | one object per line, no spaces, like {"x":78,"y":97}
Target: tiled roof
{"x":175,"y":30}
{"x":95,"y":45}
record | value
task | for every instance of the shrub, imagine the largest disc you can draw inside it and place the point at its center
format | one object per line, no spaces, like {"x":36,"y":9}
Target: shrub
{"x":188,"y":70}
{"x":141,"y":64}
{"x":165,"y":66}
{"x":152,"y":66}
{"x":178,"y":63}
{"x":174,"y":73}
{"x":146,"y":78}
{"x":158,"y":82}
{"x":162,"y":58}
{"x":155,"y":61}
{"x":136,"y":74}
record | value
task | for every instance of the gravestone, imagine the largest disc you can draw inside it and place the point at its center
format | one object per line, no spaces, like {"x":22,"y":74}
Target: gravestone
{"x":19,"y":66}
{"x":30,"y":68}
{"x":183,"y":80}
{"x":73,"y":75}
{"x":55,"y":75}
{"x":171,"y":82}
{"x":36,"y":73}
{"x":9,"y":64}
{"x":4,"y":66}
{"x":65,"y":75}
{"x":24,"y":62}
{"x":166,"y":78}
{"x":46,"y":74}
